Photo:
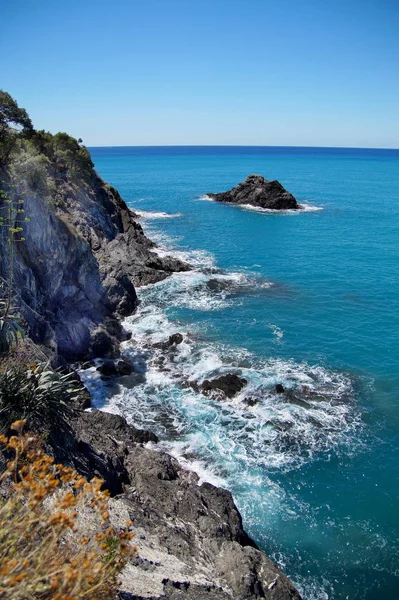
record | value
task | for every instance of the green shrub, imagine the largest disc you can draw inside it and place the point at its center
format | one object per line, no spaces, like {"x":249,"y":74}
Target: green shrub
{"x":10,"y":332}
{"x":36,"y":392}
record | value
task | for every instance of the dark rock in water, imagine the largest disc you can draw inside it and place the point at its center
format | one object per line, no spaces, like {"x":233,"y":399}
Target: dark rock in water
{"x":280,"y":389}
{"x":124,"y":366}
{"x":229,"y":384}
{"x":108,"y":369}
{"x":258,"y":191}
{"x":103,"y":343}
{"x":175,"y":339}
{"x":251,"y":401}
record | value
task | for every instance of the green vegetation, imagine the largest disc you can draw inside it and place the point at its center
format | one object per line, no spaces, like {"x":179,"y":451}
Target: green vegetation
{"x":37,"y":151}
{"x":14,"y":123}
{"x":37,"y":393}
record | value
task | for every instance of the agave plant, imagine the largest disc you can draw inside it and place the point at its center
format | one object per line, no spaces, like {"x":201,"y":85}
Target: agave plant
{"x":36,"y":392}
{"x":10,"y":333}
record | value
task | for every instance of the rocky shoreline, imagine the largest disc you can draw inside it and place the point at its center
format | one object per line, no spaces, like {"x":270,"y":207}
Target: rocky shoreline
{"x":258,"y":192}
{"x":75,"y":276}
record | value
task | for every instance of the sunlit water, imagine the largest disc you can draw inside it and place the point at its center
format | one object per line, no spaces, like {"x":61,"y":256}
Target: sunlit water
{"x":308,"y":300}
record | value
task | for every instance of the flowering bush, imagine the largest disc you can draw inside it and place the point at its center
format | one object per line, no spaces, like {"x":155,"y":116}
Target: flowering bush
{"x":56,"y":540}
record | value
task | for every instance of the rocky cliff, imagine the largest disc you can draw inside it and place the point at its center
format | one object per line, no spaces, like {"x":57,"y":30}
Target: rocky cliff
{"x":260,"y":192}
{"x":84,"y":253}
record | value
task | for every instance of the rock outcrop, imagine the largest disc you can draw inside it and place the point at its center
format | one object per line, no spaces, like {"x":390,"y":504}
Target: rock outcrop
{"x":229,"y":384}
{"x":258,"y":191}
{"x":190,"y":538}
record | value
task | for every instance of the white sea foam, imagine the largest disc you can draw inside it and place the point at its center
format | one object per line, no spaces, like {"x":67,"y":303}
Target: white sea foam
{"x":277,"y":332}
{"x":303,"y":208}
{"x":258,"y":426}
{"x":149,"y":215}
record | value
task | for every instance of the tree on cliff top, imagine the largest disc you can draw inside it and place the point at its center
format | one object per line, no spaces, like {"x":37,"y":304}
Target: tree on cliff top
{"x":11,"y":115}
{"x":13,"y":121}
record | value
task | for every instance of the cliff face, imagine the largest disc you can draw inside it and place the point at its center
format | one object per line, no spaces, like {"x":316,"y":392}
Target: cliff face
{"x":75,"y":273}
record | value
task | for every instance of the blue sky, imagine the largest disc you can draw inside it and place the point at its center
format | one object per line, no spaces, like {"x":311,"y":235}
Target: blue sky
{"x":245,"y":72}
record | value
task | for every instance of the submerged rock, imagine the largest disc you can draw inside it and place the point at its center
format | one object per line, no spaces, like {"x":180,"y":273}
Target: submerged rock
{"x":280,"y":389}
{"x":260,"y":192}
{"x":229,"y":384}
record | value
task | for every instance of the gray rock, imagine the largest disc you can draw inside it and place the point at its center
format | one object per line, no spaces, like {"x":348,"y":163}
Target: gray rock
{"x":260,"y":192}
{"x":190,"y":538}
{"x":230,"y":384}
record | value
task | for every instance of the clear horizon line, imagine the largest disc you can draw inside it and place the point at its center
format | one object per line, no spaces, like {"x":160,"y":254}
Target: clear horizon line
{"x":238,"y":146}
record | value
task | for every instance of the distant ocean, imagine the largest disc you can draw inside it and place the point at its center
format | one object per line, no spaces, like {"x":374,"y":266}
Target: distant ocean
{"x":306,"y":299}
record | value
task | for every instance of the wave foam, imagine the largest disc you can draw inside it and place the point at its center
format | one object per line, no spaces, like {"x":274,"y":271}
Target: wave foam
{"x":303,"y":208}
{"x":148,"y":215}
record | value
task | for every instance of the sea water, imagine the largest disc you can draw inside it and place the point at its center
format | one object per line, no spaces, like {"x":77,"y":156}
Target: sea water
{"x":307,"y":299}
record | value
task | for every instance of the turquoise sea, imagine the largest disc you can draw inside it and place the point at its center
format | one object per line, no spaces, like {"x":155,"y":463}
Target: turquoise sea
{"x":309,"y":300}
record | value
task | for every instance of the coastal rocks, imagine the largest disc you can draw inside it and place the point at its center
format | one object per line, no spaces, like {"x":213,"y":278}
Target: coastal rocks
{"x":260,"y":192}
{"x":95,"y":444}
{"x":119,"y":368}
{"x":190,"y":538}
{"x":230,"y":384}
{"x":174,"y":340}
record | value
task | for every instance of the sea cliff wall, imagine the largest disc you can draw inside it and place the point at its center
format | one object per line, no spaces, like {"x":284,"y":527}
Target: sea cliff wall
{"x":83,"y":254}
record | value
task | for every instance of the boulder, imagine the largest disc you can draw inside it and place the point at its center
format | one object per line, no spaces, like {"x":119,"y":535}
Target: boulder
{"x":124,"y":366}
{"x":260,"y":192}
{"x":175,"y":339}
{"x":108,"y":368}
{"x":230,"y":384}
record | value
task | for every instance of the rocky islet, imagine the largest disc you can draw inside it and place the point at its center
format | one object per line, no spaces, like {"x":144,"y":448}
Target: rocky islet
{"x":259,"y":192}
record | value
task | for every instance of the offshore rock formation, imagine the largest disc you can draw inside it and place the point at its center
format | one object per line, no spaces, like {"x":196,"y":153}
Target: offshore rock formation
{"x":75,"y":273}
{"x":258,"y":191}
{"x":190,"y":539}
